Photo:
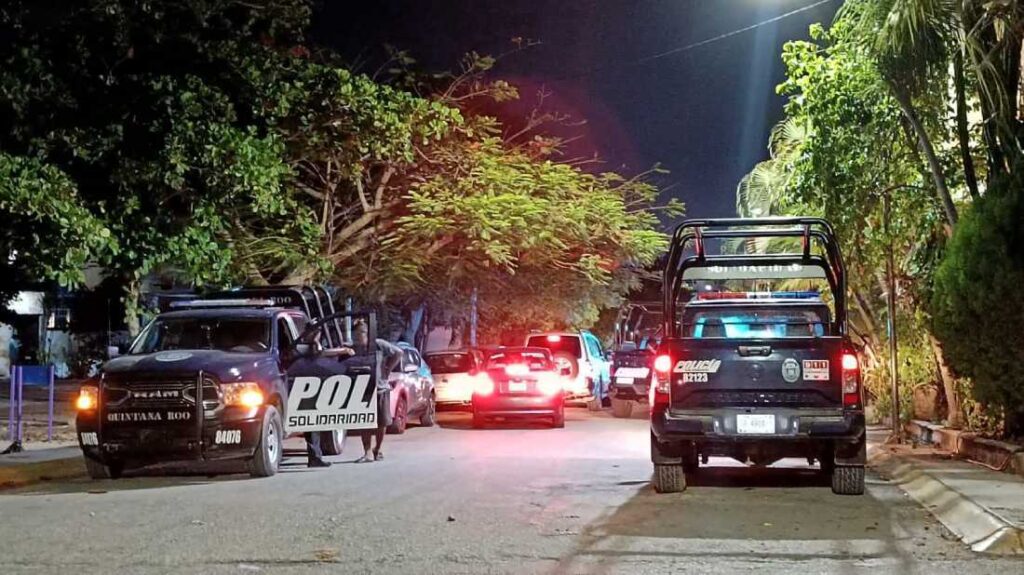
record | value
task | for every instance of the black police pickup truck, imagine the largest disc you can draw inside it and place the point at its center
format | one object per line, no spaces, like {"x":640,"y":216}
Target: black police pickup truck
{"x":756,"y":376}
{"x":205,"y":381}
{"x":638,"y":330}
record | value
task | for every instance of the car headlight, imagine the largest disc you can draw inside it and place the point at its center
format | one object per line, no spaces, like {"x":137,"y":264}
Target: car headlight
{"x":88,"y":398}
{"x":243,"y":394}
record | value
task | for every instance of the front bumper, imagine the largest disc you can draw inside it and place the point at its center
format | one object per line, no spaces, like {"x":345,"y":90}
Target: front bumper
{"x":233,"y":433}
{"x":517,"y":405}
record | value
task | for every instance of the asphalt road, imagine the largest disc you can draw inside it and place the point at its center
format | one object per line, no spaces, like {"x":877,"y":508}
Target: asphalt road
{"x":450,"y":499}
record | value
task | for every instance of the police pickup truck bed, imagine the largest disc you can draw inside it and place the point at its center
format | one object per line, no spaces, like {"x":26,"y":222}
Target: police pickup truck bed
{"x":757,"y":376}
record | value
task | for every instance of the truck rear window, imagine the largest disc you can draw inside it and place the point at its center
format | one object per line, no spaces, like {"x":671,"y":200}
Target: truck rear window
{"x":449,"y":363}
{"x":754,"y":323}
{"x":556,"y":343}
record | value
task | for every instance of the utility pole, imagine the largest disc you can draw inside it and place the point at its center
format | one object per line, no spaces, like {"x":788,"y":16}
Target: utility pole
{"x":894,"y":376}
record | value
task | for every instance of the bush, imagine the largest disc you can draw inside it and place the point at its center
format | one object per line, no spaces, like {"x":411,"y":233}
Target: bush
{"x":978,"y":303}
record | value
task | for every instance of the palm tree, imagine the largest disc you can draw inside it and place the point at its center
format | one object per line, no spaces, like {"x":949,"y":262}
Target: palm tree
{"x":909,"y":41}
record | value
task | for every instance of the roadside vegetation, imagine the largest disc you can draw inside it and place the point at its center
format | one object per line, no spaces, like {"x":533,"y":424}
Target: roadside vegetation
{"x":916,"y":101}
{"x":209,"y":143}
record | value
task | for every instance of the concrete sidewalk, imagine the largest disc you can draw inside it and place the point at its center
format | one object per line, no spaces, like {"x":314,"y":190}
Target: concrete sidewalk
{"x":983,"y":507}
{"x":41,"y":462}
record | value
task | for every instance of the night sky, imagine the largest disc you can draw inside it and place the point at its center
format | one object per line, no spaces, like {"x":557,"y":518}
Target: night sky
{"x":703,"y":114}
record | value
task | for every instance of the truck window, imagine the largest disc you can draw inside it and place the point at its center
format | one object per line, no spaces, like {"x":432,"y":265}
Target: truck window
{"x":284,"y":337}
{"x":754,"y":323}
{"x":557,"y":343}
{"x":239,"y":335}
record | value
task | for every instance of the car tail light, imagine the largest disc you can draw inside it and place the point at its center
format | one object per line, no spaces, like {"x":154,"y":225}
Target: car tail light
{"x":483,"y":385}
{"x":851,"y":380}
{"x":549,"y":384}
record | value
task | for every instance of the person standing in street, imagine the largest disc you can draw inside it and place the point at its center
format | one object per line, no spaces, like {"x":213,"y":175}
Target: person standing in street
{"x":389,"y":356}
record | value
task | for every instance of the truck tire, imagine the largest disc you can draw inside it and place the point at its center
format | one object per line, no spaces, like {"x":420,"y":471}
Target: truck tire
{"x":669,"y":479}
{"x":267,"y":459}
{"x":848,"y":480}
{"x":429,"y":417}
{"x":622,"y":408}
{"x":401,"y":418}
{"x":332,"y":442}
{"x":97,"y":470}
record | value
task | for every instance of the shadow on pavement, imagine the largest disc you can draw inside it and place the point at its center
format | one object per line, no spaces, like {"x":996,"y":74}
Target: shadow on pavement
{"x":178,"y":474}
{"x":736,"y":513}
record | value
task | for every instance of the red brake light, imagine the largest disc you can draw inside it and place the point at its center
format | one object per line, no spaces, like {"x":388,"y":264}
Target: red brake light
{"x":554,"y":338}
{"x":851,"y":381}
{"x":483,"y":385}
{"x":663,"y":364}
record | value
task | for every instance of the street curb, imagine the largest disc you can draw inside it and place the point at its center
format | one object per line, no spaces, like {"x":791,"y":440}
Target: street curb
{"x":29,"y":473}
{"x":997,"y":455}
{"x":982,"y":529}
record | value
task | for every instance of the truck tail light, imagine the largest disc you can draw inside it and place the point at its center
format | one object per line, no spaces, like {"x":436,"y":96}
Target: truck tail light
{"x":662,"y":380}
{"x":851,"y":380}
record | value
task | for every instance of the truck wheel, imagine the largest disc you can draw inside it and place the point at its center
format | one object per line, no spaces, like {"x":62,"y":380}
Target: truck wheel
{"x":401,"y":419}
{"x":332,"y":442}
{"x":99,"y":470}
{"x":848,"y":480}
{"x":621,"y":408}
{"x":429,"y":417}
{"x":558,"y":420}
{"x":267,"y":458}
{"x":669,"y":478}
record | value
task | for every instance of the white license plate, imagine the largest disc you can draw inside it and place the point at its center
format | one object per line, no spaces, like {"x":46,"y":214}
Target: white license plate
{"x":633,"y":372}
{"x":755,"y":424}
{"x":517,"y":386}
{"x":624,"y":380}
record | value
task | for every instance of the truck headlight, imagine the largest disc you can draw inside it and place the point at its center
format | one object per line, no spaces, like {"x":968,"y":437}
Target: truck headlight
{"x":243,"y":394}
{"x":88,"y":398}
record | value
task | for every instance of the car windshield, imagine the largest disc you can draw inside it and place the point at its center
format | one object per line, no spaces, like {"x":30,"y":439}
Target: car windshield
{"x":534,"y":360}
{"x":755,"y":323}
{"x":240,"y":335}
{"x":449,"y":363}
{"x":557,"y":343}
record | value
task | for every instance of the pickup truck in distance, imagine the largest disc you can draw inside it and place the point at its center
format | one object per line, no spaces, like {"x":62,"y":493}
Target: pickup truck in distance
{"x":756,"y":376}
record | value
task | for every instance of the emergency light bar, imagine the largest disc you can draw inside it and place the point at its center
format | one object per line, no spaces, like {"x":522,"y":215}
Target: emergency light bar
{"x":759,"y":295}
{"x":217,"y":303}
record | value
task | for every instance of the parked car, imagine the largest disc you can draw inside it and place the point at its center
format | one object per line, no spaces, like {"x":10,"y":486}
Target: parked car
{"x":519,"y":382}
{"x":581,"y":360}
{"x":413,"y":392}
{"x":455,"y":372}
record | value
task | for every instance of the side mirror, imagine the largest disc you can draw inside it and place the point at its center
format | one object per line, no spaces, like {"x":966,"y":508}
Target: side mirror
{"x":303,"y":350}
{"x":113,"y":351}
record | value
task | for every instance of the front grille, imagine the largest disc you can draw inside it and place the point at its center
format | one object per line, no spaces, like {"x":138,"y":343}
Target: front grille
{"x":140,"y":390}
{"x":752,"y":399}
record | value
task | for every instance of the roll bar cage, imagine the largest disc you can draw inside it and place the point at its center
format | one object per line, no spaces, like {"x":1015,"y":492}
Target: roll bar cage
{"x":695,"y":233}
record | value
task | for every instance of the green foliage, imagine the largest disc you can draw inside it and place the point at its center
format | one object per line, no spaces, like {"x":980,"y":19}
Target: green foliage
{"x":978,"y":292}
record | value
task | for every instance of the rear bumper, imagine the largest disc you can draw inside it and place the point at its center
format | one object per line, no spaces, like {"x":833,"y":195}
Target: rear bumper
{"x":517,"y":405}
{"x":638,"y":392}
{"x":791,"y":424}
{"x":234,"y":433}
